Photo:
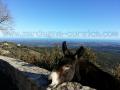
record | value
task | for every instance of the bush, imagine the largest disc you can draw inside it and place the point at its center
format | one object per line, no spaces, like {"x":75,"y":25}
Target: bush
{"x":45,"y":57}
{"x":90,"y":55}
{"x":50,"y":57}
{"x":116,"y":71}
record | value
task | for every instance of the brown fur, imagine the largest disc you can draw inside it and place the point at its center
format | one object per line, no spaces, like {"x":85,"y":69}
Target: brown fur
{"x":84,"y":72}
{"x":94,"y":77}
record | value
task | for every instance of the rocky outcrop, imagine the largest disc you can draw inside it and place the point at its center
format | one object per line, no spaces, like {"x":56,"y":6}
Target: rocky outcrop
{"x":25,"y":75}
{"x":71,"y":86}
{"x":29,"y":77}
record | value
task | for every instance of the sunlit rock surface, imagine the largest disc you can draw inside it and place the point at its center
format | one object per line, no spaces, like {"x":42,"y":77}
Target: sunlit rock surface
{"x":29,"y":77}
{"x":71,"y":86}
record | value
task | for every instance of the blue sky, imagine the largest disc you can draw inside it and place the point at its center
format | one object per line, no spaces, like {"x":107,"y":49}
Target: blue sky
{"x":66,"y":16}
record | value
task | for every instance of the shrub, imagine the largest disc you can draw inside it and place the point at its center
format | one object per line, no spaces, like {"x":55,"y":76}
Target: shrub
{"x":45,"y":57}
{"x":90,"y":55}
{"x":116,"y":71}
{"x":49,"y":58}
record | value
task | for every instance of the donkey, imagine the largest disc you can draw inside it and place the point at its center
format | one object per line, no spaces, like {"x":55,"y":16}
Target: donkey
{"x":73,"y":67}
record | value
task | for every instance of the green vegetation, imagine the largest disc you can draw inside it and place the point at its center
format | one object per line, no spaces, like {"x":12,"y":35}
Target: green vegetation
{"x":45,"y":57}
{"x":48,"y":57}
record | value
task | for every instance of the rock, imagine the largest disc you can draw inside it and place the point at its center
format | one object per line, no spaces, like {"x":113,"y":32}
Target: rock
{"x":71,"y":86}
{"x":29,"y":77}
{"x":4,"y":52}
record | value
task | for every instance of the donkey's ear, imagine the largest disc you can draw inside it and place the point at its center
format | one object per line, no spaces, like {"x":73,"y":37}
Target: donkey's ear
{"x":65,"y":49}
{"x":79,"y":52}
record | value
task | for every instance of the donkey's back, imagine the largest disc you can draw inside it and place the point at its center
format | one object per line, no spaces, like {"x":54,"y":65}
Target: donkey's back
{"x":95,"y":77}
{"x":72,"y":67}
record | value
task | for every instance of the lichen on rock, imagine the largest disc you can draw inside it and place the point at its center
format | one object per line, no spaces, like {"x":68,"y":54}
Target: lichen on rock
{"x":71,"y":86}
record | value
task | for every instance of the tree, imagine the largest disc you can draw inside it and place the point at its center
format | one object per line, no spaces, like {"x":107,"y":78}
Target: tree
{"x":5,"y":18}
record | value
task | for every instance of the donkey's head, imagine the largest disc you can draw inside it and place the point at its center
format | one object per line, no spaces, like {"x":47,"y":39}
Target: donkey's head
{"x":65,"y":69}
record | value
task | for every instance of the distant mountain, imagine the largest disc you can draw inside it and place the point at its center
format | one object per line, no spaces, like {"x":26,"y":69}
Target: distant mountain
{"x":57,"y":42}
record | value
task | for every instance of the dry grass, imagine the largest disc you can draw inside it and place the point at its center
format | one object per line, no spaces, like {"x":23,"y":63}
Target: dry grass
{"x":116,"y":71}
{"x":42,"y":57}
